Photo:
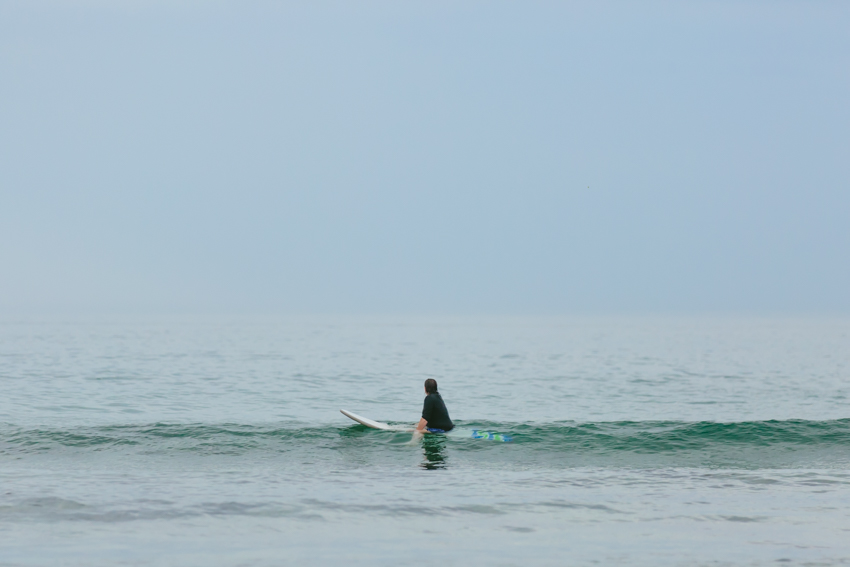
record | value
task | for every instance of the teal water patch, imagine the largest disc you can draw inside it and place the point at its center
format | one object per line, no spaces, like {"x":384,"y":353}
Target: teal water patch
{"x":663,"y":443}
{"x":671,"y":436}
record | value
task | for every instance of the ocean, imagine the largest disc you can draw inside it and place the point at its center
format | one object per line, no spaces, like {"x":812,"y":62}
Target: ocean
{"x":218,"y":441}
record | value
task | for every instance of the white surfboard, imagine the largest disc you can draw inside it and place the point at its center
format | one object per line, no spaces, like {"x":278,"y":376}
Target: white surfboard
{"x":456,"y":433}
{"x":365,"y":420}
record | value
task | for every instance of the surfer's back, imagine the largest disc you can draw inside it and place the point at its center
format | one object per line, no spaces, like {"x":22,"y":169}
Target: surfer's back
{"x":434,"y":411}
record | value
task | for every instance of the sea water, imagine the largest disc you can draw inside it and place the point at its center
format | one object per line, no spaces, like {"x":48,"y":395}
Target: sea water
{"x":218,"y":441}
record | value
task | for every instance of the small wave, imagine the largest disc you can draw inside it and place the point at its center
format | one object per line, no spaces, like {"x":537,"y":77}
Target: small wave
{"x":674,"y":436}
{"x":672,"y":443}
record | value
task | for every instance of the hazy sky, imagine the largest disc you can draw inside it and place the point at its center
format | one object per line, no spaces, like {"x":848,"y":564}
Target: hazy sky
{"x":455,"y":157}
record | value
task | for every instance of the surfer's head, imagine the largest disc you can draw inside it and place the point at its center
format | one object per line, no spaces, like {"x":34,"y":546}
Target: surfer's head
{"x":431,"y":386}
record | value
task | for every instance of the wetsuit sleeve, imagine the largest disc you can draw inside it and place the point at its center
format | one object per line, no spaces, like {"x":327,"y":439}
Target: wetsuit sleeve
{"x":428,"y":409}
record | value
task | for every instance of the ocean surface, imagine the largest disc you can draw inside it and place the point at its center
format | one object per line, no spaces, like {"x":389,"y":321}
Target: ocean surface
{"x":219,"y":442}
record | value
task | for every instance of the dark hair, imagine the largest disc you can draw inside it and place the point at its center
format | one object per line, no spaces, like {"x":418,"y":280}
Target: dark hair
{"x":431,"y":386}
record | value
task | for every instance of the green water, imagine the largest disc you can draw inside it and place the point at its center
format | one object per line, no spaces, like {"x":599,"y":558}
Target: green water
{"x":632,"y":441}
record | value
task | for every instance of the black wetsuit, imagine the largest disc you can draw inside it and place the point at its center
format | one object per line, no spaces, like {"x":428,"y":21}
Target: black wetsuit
{"x":435,"y":413}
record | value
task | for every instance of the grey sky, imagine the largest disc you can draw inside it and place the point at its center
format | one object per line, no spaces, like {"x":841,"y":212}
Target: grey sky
{"x":462,"y":157}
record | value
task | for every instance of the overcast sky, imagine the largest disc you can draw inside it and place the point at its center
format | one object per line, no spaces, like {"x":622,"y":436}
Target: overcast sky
{"x":450,"y":157}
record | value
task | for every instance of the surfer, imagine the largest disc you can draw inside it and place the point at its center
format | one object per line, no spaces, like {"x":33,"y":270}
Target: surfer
{"x":435,"y":416}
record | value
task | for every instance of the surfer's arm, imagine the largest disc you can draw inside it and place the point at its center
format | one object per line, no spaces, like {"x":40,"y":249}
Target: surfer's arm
{"x":422,"y":424}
